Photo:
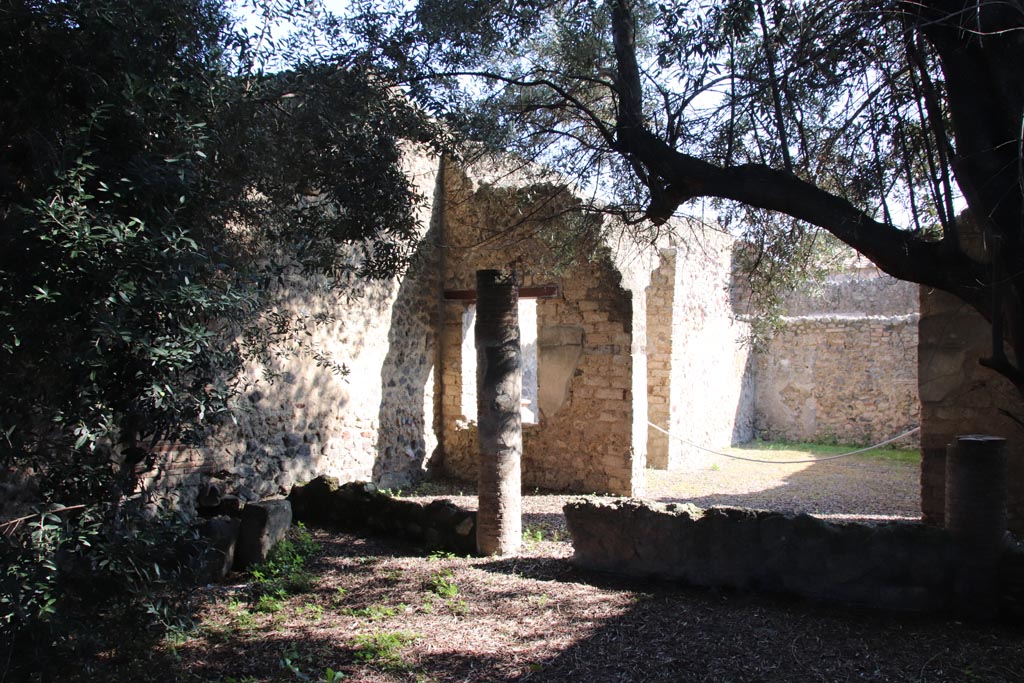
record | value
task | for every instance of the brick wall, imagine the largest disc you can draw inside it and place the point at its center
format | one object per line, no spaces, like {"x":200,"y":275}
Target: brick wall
{"x":587,"y":347}
{"x":660,"y":302}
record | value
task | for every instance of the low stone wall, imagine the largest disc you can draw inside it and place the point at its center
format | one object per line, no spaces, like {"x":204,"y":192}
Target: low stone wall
{"x":901,"y":566}
{"x":360,"y":506}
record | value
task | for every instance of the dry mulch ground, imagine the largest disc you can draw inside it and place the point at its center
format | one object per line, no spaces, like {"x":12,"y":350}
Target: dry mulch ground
{"x":537,"y":618}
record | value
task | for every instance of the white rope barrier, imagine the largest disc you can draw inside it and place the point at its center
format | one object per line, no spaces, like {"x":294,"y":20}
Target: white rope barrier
{"x":786,"y":462}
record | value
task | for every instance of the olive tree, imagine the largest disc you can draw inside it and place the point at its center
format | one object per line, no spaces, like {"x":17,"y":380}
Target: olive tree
{"x":874,"y":120}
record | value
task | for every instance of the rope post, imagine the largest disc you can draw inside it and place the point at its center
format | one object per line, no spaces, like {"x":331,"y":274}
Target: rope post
{"x":976,"y":495}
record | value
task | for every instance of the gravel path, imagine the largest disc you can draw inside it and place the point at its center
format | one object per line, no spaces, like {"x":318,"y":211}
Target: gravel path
{"x":855,"y":488}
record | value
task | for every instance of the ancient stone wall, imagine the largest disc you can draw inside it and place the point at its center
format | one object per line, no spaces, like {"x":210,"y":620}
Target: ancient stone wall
{"x":660,"y":302}
{"x":842,"y":364}
{"x":299,"y":419}
{"x":959,"y":396}
{"x":838,"y":378}
{"x":712,"y":398}
{"x":862,"y":290}
{"x":590,"y":338}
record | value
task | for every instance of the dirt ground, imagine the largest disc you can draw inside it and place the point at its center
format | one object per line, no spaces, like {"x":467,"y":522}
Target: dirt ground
{"x":384,"y":611}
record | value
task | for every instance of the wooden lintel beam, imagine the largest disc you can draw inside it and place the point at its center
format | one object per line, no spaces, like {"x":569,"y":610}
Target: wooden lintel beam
{"x":538,"y":292}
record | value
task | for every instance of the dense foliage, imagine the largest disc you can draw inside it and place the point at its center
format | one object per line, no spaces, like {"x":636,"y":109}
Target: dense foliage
{"x":155,"y":178}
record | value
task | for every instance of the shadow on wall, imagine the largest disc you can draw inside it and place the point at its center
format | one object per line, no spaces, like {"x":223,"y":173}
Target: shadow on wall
{"x":743,"y":420}
{"x":291,"y":426}
{"x":293,"y":423}
{"x":408,"y":420}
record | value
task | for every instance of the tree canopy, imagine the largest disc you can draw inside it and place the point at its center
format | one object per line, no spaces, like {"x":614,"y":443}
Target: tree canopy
{"x":876,"y":120}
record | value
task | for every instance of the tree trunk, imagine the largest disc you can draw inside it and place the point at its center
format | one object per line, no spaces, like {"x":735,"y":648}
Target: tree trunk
{"x":498,"y":390}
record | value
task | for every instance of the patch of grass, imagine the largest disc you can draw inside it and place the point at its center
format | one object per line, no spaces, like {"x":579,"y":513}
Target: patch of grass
{"x":242,"y":619}
{"x":375,"y":612}
{"x":442,"y":583}
{"x":457,"y":606}
{"x":535,"y":533}
{"x":803,"y":449}
{"x":313,"y":611}
{"x":284,"y":573}
{"x":384,"y":648}
{"x":268,"y":604}
{"x":438,"y":555}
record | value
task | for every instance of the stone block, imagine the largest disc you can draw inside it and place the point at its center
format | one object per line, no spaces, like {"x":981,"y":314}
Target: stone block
{"x":263,"y":526}
{"x":222,"y":535}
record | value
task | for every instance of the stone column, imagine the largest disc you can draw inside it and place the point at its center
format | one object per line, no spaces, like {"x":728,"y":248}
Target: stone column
{"x":499,"y":422}
{"x":976,"y":519}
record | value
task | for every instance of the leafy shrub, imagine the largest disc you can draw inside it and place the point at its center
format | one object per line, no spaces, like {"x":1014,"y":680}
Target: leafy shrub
{"x":74,"y":579}
{"x":129,"y":295}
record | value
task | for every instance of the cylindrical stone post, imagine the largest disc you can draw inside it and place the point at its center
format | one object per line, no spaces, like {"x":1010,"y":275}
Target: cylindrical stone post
{"x":499,"y":423}
{"x":976,"y":520}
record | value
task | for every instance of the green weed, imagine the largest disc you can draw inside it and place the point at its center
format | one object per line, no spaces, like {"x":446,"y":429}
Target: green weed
{"x":457,"y":606}
{"x":268,"y":604}
{"x":284,"y":573}
{"x":313,"y":611}
{"x":373,"y":612}
{"x":438,"y":555}
{"x":384,"y":648}
{"x":540,"y":601}
{"x":443,"y":584}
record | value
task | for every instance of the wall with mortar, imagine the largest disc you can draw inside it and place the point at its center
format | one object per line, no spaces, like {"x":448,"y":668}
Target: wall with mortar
{"x":959,"y":396}
{"x":712,"y":393}
{"x":838,"y":378}
{"x":860,"y":289}
{"x":842,"y":364}
{"x":375,"y":423}
{"x":591,"y":430}
{"x":660,"y":301}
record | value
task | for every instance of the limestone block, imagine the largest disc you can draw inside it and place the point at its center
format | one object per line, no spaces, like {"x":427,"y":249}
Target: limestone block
{"x":263,"y":526}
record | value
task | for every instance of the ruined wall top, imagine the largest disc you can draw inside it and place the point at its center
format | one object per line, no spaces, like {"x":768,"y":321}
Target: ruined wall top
{"x":859,"y":289}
